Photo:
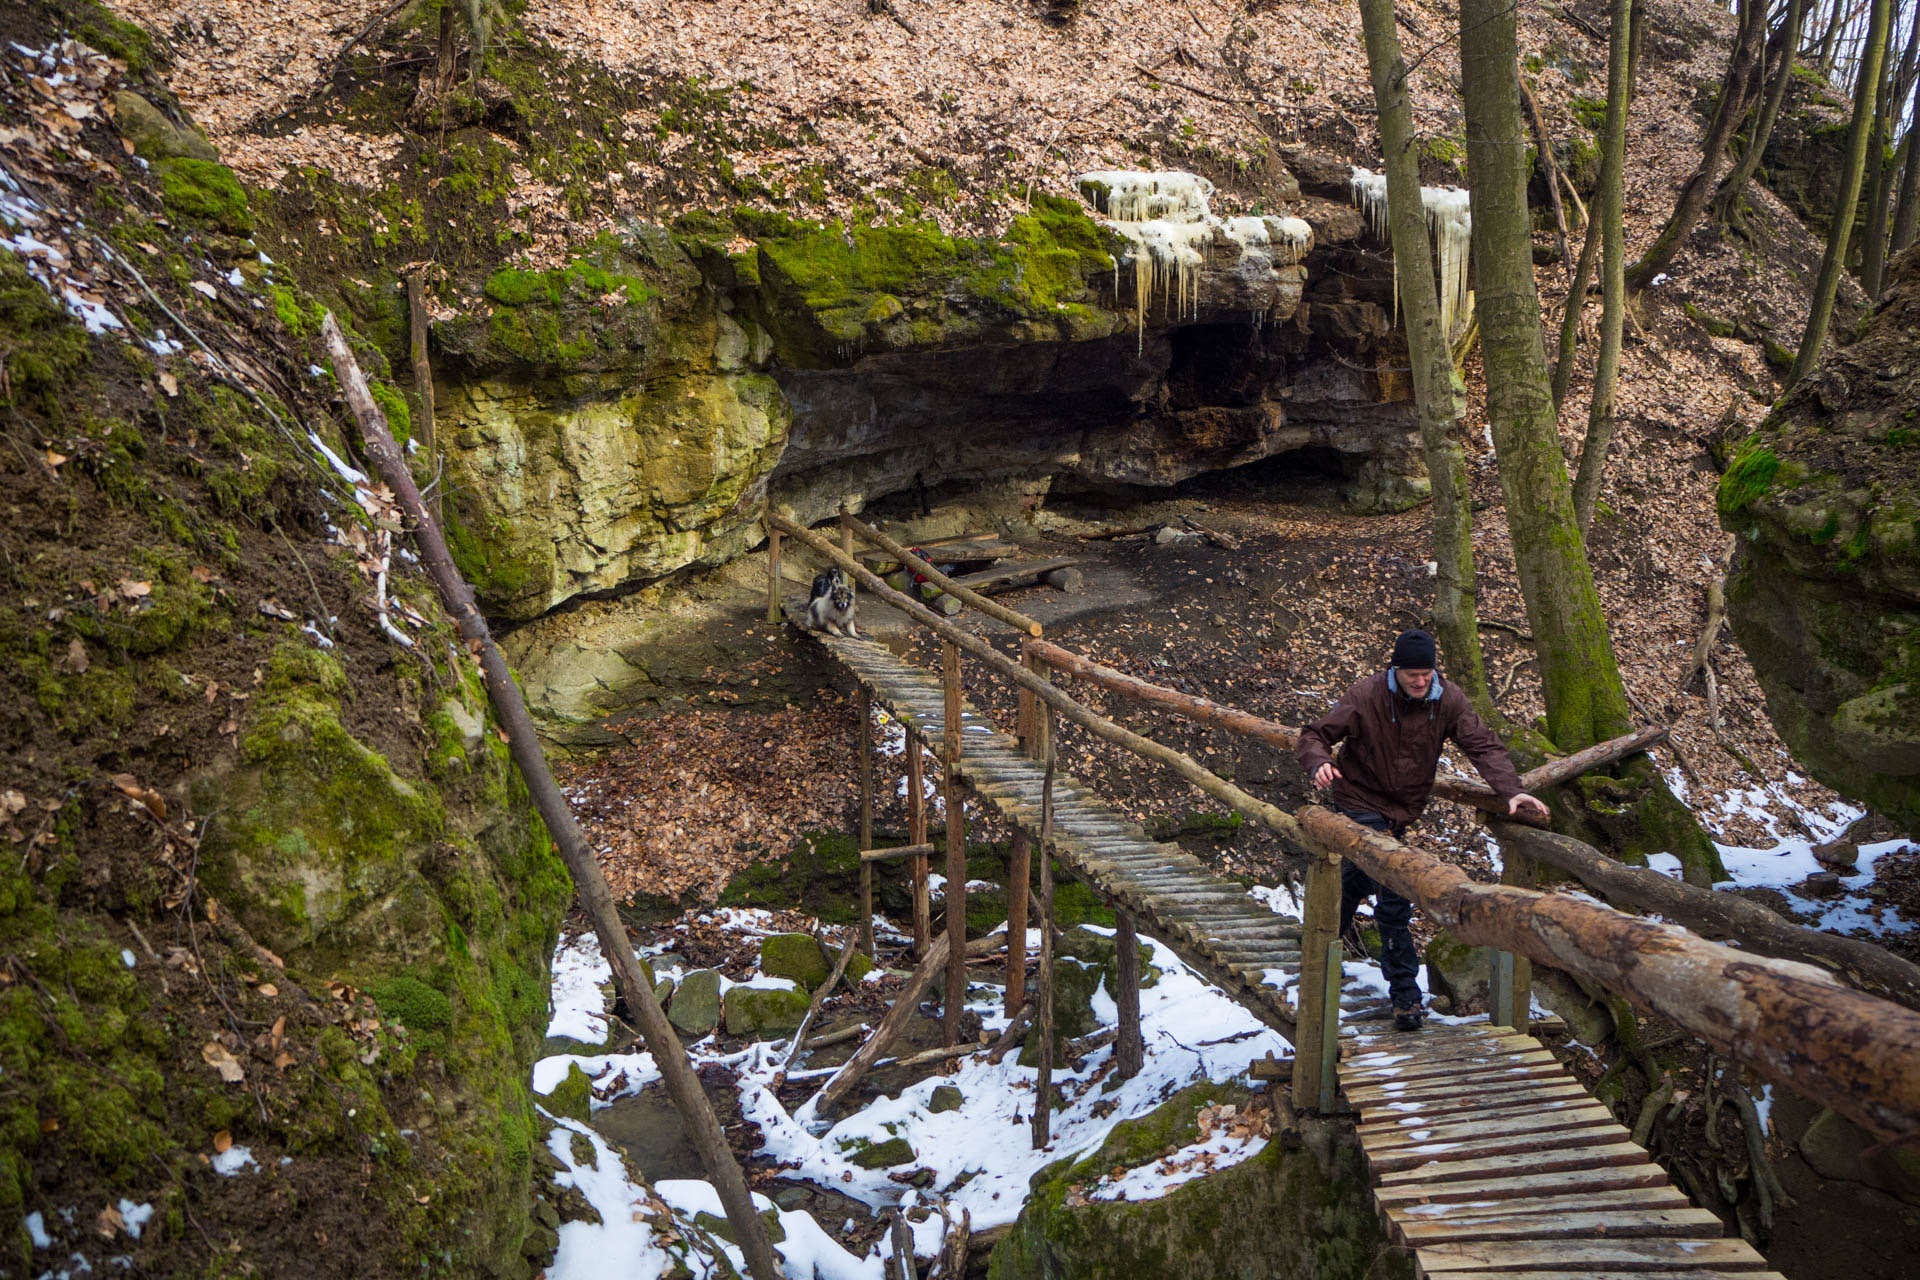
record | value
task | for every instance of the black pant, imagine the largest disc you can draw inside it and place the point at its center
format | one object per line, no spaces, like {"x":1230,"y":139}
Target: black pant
{"x":1393,"y":913}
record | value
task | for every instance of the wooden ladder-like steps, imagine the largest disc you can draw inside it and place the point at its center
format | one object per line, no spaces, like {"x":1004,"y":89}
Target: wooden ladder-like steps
{"x":1489,"y":1159}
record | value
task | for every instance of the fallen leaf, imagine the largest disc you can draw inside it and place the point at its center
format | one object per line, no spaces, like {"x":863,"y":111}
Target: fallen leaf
{"x":282,"y":1060}
{"x":267,"y":989}
{"x":201,"y":286}
{"x":169,"y":384}
{"x":77,"y":660}
{"x":11,"y":802}
{"x":201,"y":574}
{"x":146,"y":797}
{"x":225,"y":1063}
{"x":54,"y":459}
{"x":109,"y":1224}
{"x":221,"y":1141}
{"x":133,"y":590}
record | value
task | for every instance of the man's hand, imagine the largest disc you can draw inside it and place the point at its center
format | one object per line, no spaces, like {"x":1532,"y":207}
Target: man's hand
{"x":1525,"y":801}
{"x":1323,"y":778}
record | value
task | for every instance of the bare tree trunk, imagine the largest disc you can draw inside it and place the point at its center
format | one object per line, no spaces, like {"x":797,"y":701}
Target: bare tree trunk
{"x":1727,"y":202}
{"x":1736,"y":97}
{"x":589,"y":882}
{"x":1586,"y":698}
{"x":1549,"y":173}
{"x":1873,"y":257}
{"x":1611,"y":214}
{"x":1906,"y":216}
{"x":1820,"y":313}
{"x":1455,"y":616}
{"x":1571,"y":312}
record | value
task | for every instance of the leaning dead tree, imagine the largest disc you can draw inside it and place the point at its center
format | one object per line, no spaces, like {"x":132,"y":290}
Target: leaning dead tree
{"x":590,"y":884}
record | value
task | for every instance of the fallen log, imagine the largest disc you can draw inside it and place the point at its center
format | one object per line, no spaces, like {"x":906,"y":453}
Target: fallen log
{"x":820,"y":996}
{"x":1711,"y":911}
{"x":1019,"y":574}
{"x":1792,"y":1022}
{"x":589,"y":883}
{"x":905,"y":1005}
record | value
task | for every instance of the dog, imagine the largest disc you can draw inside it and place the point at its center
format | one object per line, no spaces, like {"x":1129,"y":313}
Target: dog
{"x":831,"y":604}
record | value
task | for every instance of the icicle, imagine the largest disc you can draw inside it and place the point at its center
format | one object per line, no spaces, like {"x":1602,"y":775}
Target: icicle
{"x":1450,"y":222}
{"x":1168,"y":218}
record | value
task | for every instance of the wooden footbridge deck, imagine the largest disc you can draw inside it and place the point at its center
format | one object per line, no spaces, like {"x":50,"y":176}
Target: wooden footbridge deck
{"x":1489,"y":1157}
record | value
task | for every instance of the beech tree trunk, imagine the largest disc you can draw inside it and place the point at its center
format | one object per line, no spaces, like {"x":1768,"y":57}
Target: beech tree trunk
{"x":1727,"y":202}
{"x":1873,"y":257}
{"x":1736,"y":97}
{"x":1610,"y":211}
{"x":1833,"y":262}
{"x":1586,"y":698}
{"x":1455,"y":614}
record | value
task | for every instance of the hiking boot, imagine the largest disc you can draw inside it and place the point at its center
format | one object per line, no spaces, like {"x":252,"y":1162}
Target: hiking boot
{"x":1408,"y":1017}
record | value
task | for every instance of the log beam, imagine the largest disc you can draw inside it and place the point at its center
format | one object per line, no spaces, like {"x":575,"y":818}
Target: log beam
{"x":1018,"y":621}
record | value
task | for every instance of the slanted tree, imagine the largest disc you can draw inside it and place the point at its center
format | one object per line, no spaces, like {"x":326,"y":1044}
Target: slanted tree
{"x":1906,"y":213}
{"x":1737,"y":92}
{"x":1585,"y":696}
{"x":1435,"y":400}
{"x":1610,"y":211}
{"x":1727,"y":202}
{"x":1833,"y":262}
{"x":1873,"y":252}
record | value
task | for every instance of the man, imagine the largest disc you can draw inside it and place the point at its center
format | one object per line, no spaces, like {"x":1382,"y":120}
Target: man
{"x":1394,"y":725}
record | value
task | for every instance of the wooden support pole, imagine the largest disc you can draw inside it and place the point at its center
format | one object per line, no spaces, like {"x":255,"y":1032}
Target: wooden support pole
{"x":1129,"y":1050}
{"x":773,"y":571}
{"x":1043,"y":1085}
{"x":993,"y":609}
{"x":956,"y":1003}
{"x":589,"y":882}
{"x":1019,"y":876}
{"x":863,"y":707}
{"x":904,"y":1006}
{"x":422,"y":372}
{"x":1517,"y":869}
{"x":1331,"y":976}
{"x":1319,"y":925}
{"x":917,"y":835}
{"x":846,"y":528}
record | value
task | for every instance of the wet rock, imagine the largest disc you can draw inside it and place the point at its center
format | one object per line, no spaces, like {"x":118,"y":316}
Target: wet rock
{"x":945,"y":1098}
{"x":695,"y":1010}
{"x":758,"y":1012}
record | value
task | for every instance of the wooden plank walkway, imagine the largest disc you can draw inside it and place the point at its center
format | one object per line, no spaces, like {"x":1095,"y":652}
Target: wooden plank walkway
{"x":1489,"y":1159}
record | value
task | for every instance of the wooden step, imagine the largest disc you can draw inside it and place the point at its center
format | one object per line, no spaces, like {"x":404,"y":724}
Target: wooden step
{"x":1530,"y":1162}
{"x":1522,"y":1186}
{"x":1588,"y":1255}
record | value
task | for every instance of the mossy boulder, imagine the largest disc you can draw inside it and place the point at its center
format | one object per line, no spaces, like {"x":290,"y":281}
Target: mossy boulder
{"x":572,"y":1098}
{"x":1824,"y":593}
{"x":868,"y":1154}
{"x":1074,"y":985}
{"x":798,"y":956}
{"x":156,"y":137}
{"x":945,"y":1098}
{"x":205,"y":193}
{"x":1102,"y":949}
{"x":1299,"y":1210}
{"x":695,"y":1010}
{"x":755,"y":1013}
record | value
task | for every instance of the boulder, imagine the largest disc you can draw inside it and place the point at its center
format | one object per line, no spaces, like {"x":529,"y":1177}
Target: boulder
{"x":758,"y":1012}
{"x":1837,"y":1148}
{"x":154,"y":136}
{"x":945,"y":1098}
{"x":868,"y":1154}
{"x":798,"y":956}
{"x":1092,"y":947}
{"x":1824,"y":590}
{"x":695,"y":1010}
{"x":572,"y":1098}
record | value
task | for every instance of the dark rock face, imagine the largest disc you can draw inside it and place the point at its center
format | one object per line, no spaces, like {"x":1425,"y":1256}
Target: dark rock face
{"x":1825,"y":590}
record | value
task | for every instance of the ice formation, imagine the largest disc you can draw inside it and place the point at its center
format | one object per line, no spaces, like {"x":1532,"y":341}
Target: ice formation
{"x":1169,"y":219}
{"x":1449,"y":220}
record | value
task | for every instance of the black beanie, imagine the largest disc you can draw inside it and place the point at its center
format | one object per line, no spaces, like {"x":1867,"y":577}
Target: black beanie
{"x":1415,"y":651}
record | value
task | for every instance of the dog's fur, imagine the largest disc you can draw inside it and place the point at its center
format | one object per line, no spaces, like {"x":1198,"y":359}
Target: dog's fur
{"x":831,"y":605}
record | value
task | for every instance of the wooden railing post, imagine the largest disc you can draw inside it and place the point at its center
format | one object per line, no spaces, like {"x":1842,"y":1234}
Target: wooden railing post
{"x":1043,"y":1085}
{"x":1512,"y":991}
{"x":846,"y":528}
{"x":863,"y":707}
{"x":1129,"y":1050}
{"x":773,"y":573}
{"x":1019,"y":876}
{"x":956,"y":854}
{"x":1023,"y":720}
{"x":917,"y":835}
{"x":1319,"y":963}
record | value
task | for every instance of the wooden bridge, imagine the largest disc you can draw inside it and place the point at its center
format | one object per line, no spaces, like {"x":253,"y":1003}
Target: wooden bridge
{"x":1489,"y":1156}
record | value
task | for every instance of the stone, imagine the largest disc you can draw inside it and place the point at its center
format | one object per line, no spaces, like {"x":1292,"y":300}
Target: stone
{"x":945,"y":1098}
{"x":1837,"y":1148}
{"x":719,"y":1226}
{"x":695,"y":1010}
{"x":153,"y":135}
{"x":758,"y":1012}
{"x":1090,"y":946}
{"x":572,"y":1098}
{"x":878,"y":1155}
{"x":798,"y":956}
{"x":1823,"y":884}
{"x":1073,"y":986}
{"x":1842,"y":855}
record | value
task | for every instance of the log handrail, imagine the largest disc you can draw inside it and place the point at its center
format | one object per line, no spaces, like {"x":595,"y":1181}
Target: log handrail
{"x":1849,"y":1050}
{"x":965,"y":595}
{"x":1274,"y":734}
{"x":1868,"y":966}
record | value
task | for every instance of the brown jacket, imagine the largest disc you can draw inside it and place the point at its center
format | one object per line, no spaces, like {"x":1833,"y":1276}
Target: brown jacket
{"x":1393,"y":746}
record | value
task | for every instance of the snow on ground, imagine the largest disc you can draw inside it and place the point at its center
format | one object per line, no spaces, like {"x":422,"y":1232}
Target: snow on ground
{"x":1192,"y":1031}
